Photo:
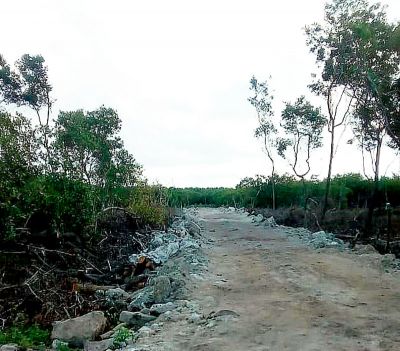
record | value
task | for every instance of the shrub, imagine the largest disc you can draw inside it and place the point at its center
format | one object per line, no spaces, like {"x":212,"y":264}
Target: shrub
{"x":150,"y":204}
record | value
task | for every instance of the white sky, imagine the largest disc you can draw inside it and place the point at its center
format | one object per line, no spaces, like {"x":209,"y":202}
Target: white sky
{"x":178,"y":74}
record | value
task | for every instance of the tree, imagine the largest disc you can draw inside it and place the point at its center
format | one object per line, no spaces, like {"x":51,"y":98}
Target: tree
{"x":375,"y":86}
{"x":377,"y":65}
{"x":374,"y":108}
{"x":56,"y":176}
{"x":29,"y":86}
{"x":329,"y":44}
{"x":18,"y":164}
{"x":303,"y":124}
{"x":254,"y":187}
{"x":392,"y":102}
{"x":89,"y":149}
{"x":358,"y":51}
{"x":18,"y":148}
{"x":370,"y":133}
{"x":266,"y":130}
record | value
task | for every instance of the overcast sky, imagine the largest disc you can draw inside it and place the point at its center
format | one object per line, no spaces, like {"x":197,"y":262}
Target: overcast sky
{"x":178,"y":74}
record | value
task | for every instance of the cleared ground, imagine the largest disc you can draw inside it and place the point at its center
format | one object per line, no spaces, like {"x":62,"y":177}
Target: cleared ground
{"x":288,"y":296}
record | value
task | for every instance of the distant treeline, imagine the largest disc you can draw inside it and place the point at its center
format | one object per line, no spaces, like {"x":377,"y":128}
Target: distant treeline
{"x":348,"y":191}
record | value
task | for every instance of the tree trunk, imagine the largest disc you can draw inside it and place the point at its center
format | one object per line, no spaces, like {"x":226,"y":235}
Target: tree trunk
{"x":328,"y":178}
{"x":273,"y":191}
{"x":374,"y":196}
{"x":305,"y":202}
{"x":389,"y":227}
{"x":273,"y":196}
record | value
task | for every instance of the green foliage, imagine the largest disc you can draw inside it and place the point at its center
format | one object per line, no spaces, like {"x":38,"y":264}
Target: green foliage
{"x":26,"y":337}
{"x":122,"y":335}
{"x":149,"y":203}
{"x":395,"y":39}
{"x":18,"y":165}
{"x":302,"y":120}
{"x":203,"y":196}
{"x":348,"y":191}
{"x":392,"y":102}
{"x":28,"y":85}
{"x":66,"y":172}
{"x":89,"y":149}
{"x":61,"y":346}
{"x":266,"y":130}
{"x":70,"y":204}
{"x":356,"y":49}
{"x":303,"y":124}
{"x":262,"y":102}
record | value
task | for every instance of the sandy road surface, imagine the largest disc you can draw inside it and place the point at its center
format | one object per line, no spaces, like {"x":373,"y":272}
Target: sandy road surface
{"x":288,"y":296}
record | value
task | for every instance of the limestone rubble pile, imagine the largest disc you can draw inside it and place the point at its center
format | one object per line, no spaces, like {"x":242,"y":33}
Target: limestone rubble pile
{"x":316,"y":240}
{"x":168,"y":259}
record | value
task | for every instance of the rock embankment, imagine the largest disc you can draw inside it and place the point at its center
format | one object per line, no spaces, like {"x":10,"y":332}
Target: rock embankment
{"x":317,"y":240}
{"x":172,"y":257}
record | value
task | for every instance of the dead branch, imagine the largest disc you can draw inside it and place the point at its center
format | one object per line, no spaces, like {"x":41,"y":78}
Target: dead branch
{"x":133,"y":215}
{"x":54,"y":251}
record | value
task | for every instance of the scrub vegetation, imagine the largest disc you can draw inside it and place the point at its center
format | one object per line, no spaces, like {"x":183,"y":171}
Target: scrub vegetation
{"x":73,"y":196}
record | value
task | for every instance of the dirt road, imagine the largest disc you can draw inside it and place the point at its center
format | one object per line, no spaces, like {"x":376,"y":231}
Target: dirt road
{"x":286,"y":296}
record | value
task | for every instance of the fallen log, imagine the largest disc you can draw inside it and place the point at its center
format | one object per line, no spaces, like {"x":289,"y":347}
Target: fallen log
{"x":345,"y":237}
{"x":135,"y":282}
{"x":89,"y":288}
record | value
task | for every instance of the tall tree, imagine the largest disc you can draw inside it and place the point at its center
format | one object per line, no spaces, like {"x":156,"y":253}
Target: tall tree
{"x":303,"y":124}
{"x":329,"y":44}
{"x":28,"y":85}
{"x":89,"y":149}
{"x":357,"y":49}
{"x":266,"y":130}
{"x":392,"y":102}
{"x":18,"y":164}
{"x":378,"y":67}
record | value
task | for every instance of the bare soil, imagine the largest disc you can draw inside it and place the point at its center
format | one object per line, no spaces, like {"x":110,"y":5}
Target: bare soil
{"x":287,"y":296}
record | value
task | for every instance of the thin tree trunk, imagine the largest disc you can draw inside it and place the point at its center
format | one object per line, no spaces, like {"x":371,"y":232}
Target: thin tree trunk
{"x":272,"y":172}
{"x":305,"y":202}
{"x":273,"y":184}
{"x":273,"y":193}
{"x":389,"y":228}
{"x":328,"y":178}
{"x":374,"y":196}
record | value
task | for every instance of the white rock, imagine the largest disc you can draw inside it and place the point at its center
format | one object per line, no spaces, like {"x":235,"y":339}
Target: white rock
{"x":156,"y":326}
{"x":258,"y":219}
{"x":135,"y":319}
{"x":117,"y":294}
{"x":145,"y":331}
{"x":98,"y":345}
{"x":161,"y":308}
{"x":79,"y":329}
{"x":9,"y":347}
{"x":270,"y":222}
{"x":195,"y":318}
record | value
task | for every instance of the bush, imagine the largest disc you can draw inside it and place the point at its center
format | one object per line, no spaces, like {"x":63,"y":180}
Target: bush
{"x":150,"y":204}
{"x":121,"y":336}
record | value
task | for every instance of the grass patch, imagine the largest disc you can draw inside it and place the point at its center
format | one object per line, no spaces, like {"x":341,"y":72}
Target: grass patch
{"x":26,"y":337}
{"x":122,"y":335}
